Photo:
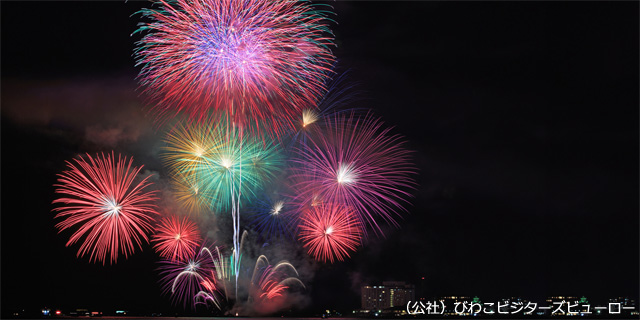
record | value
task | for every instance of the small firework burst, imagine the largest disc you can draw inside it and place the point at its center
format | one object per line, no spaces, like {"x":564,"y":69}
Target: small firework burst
{"x":176,"y":239}
{"x":330,"y":232}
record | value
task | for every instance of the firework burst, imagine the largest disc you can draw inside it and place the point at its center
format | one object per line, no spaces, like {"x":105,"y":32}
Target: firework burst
{"x":272,"y":217}
{"x":211,"y":164}
{"x":330,"y":232}
{"x":259,"y":60}
{"x":356,"y":164}
{"x":187,"y":190}
{"x":112,"y":214}
{"x":187,"y":145}
{"x":176,"y":239}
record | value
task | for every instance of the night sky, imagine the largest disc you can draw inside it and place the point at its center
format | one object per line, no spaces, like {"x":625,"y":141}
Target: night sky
{"x":523,"y":118}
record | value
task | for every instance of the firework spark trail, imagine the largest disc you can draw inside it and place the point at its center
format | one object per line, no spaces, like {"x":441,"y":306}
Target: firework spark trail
{"x":176,"y":239}
{"x":208,"y":273}
{"x":357,"y":164}
{"x":235,"y":214}
{"x":215,"y":286}
{"x":222,"y":272}
{"x":270,"y":282}
{"x":184,"y":280}
{"x":207,"y":296}
{"x":330,"y":232}
{"x":270,"y":288}
{"x":113,"y":214}
{"x":259,"y":60}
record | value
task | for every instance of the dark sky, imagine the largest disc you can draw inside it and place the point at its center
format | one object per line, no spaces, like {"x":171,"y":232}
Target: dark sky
{"x":524,"y":118}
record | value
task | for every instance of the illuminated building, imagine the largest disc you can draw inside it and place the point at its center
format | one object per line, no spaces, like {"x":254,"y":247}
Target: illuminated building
{"x":390,"y":294}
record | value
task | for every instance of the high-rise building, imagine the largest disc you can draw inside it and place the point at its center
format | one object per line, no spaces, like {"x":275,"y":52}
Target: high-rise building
{"x":390,"y":294}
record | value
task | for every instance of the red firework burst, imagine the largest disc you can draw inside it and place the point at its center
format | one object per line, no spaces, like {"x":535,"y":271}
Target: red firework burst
{"x":111,"y":212}
{"x":330,"y":232}
{"x":176,"y":239}
{"x":257,"y":60}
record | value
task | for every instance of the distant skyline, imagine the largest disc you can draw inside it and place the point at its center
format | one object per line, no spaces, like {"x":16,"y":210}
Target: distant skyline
{"x":523,"y":117}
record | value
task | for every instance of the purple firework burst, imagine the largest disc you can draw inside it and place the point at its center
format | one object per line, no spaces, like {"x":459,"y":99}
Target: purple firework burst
{"x":359,"y":164}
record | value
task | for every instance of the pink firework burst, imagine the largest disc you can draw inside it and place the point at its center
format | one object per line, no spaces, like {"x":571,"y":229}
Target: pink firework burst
{"x":330,"y":232}
{"x":257,"y":60}
{"x":176,"y":239}
{"x":110,"y":213}
{"x":358,"y":164}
